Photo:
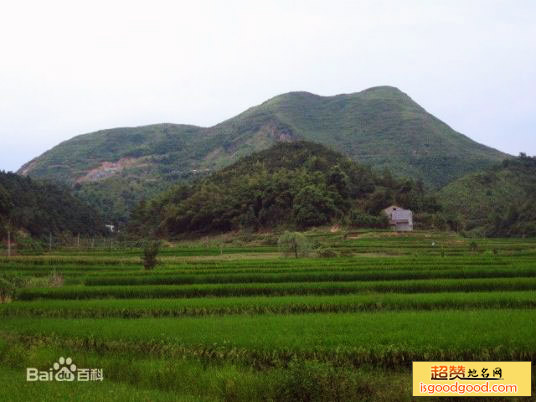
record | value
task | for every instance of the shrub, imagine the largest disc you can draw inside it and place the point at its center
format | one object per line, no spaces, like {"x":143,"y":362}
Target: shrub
{"x":8,"y":286}
{"x":316,"y":381}
{"x":359,"y":218}
{"x":150,"y":251}
{"x":269,"y":240}
{"x":327,"y":253}
{"x":293,"y":244}
{"x":246,"y":236}
{"x":55,"y":280}
{"x":346,"y":253}
{"x":29,"y":246}
{"x":7,"y":289}
{"x":36,"y":282}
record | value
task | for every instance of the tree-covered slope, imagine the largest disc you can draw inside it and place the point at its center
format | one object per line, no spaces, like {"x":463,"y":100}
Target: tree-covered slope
{"x":43,"y":208}
{"x":381,"y":126}
{"x":299,"y":184}
{"x":498,"y":201}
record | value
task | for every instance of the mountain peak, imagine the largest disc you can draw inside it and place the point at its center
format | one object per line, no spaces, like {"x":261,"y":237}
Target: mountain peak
{"x":380,"y":126}
{"x":384,"y":88}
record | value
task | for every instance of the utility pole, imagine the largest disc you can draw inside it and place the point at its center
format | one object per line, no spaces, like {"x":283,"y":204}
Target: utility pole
{"x":49,"y":241}
{"x":9,"y":242}
{"x":78,"y":240}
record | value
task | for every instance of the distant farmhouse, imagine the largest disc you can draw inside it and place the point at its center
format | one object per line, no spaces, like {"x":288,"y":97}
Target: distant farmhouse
{"x":400,"y":219}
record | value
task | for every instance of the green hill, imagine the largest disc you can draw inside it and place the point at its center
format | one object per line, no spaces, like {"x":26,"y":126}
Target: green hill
{"x":382,"y":126}
{"x":299,"y":184}
{"x":498,"y":201}
{"x":43,"y":208}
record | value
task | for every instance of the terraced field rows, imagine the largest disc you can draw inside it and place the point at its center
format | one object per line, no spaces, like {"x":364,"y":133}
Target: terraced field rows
{"x":345,"y":328}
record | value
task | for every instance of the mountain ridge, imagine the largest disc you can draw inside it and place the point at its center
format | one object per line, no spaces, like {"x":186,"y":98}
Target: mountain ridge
{"x":380,"y":126}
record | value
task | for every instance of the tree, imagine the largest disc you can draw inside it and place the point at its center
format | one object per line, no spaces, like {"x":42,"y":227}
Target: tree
{"x":5,"y":201}
{"x":378,"y":201}
{"x":41,"y":207}
{"x":338,"y":180}
{"x":361,"y":219}
{"x":293,"y":243}
{"x":248,"y":220}
{"x":473,"y":246}
{"x":150,"y":251}
{"x":312,"y":207}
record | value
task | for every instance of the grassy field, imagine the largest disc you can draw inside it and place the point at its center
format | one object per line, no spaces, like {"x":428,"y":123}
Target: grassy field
{"x":241,"y":323}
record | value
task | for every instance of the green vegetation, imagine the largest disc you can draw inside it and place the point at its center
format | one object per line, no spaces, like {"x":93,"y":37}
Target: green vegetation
{"x":278,"y":289}
{"x":238,"y":322}
{"x":498,"y":202}
{"x":169,"y":379}
{"x":138,"y":308}
{"x":42,"y":208}
{"x":227,"y":317}
{"x":382,"y":127}
{"x":293,"y":244}
{"x":150,"y":251}
{"x":296,"y":184}
{"x":8,"y":286}
{"x":275,"y":340}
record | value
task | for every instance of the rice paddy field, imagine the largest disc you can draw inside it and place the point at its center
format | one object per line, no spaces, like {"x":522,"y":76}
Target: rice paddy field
{"x":242,"y":323}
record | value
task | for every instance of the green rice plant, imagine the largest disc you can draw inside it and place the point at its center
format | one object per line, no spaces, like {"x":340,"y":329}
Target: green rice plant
{"x":278,"y":289}
{"x":165,"y":379}
{"x":139,"y":308}
{"x":322,"y":276}
{"x":238,"y":327}
{"x":387,"y":339}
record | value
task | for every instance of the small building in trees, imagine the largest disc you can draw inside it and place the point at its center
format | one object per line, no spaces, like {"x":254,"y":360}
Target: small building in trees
{"x":400,"y":219}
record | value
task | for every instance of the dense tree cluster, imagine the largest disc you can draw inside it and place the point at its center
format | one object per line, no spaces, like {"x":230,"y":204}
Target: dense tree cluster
{"x":297,"y":185}
{"x":498,"y":202}
{"x":40,"y":208}
{"x":520,"y":217}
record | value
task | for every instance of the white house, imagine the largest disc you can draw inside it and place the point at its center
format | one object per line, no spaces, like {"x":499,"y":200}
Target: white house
{"x":400,"y":219}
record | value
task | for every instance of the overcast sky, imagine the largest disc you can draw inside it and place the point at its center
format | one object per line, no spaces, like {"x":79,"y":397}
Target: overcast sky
{"x":72,"y":67}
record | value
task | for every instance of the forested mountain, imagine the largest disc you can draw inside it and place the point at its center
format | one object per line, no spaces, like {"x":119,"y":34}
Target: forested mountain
{"x":381,"y":126}
{"x":497,"y":202}
{"x":298,"y":184}
{"x":43,"y":208}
